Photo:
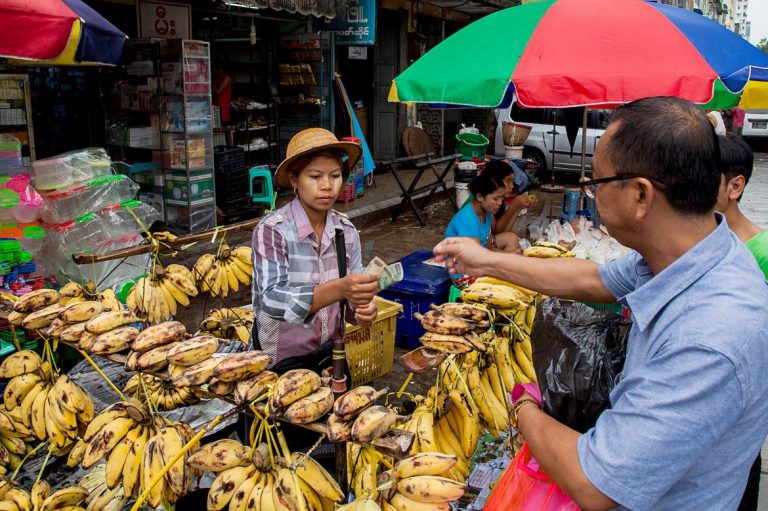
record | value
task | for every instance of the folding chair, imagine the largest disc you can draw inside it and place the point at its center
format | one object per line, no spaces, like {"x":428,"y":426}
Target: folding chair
{"x":421,"y":154}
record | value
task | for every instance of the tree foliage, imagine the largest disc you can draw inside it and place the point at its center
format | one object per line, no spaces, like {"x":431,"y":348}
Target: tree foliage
{"x":763,"y":44}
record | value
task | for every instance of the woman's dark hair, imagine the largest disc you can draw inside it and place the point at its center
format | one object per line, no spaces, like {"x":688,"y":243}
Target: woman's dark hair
{"x":485,"y":184}
{"x":669,"y":140}
{"x":499,"y":169}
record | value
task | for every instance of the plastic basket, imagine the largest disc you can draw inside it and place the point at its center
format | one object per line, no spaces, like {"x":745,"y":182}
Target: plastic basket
{"x":371,"y":351}
{"x":471,"y":144}
{"x":514,"y":134}
{"x":347,"y":193}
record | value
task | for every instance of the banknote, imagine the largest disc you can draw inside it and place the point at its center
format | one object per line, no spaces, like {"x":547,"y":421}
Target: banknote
{"x":376,"y":266}
{"x":391,"y":275}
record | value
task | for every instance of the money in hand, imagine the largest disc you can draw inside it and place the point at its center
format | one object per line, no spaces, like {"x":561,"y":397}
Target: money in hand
{"x":376,"y":266}
{"x":391,"y":275}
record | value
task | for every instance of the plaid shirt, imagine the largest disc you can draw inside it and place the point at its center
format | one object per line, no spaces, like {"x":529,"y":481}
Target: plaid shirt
{"x":287,"y":266}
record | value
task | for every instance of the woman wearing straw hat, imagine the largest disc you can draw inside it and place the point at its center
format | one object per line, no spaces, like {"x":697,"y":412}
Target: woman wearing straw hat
{"x":297,"y":291}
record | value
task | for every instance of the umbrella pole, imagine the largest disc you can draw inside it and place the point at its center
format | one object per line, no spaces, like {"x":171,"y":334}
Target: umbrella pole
{"x":554,"y":146}
{"x":552,"y":187}
{"x":584,"y":143}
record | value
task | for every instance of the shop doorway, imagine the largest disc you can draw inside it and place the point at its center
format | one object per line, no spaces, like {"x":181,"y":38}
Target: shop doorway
{"x":386,"y":56}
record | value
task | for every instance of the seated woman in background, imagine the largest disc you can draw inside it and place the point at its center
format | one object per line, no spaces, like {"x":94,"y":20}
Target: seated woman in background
{"x":476,"y":218}
{"x":514,"y":201}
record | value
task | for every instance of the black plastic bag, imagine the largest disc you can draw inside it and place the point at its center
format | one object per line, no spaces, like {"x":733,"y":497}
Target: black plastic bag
{"x":577,"y":353}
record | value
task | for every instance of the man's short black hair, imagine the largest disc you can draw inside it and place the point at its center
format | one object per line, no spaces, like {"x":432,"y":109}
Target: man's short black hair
{"x":669,"y":140}
{"x":736,"y":158}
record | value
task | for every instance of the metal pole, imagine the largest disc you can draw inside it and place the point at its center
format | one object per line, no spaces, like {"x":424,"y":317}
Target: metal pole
{"x":584,"y":143}
{"x":554,"y":145}
{"x":339,"y":383}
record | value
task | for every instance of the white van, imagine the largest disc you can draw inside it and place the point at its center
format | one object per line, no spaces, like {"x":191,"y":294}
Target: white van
{"x":755,"y":123}
{"x":538,"y":147}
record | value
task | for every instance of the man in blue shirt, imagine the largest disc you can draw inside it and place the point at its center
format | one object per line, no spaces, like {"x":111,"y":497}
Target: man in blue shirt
{"x":688,"y":414}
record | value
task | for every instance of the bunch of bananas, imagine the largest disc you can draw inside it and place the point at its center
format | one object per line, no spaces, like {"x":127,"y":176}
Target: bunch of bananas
{"x":94,"y":327}
{"x":101,"y":497}
{"x":224,"y":272}
{"x":157,"y":296}
{"x":41,"y":498}
{"x":161,"y":393}
{"x":136,"y":447}
{"x":225,"y":376}
{"x":35,"y":303}
{"x":497,"y":294}
{"x":248,"y":479}
{"x":43,"y":308}
{"x":13,"y":442}
{"x":299,"y":397}
{"x":446,"y":425}
{"x":417,"y":483}
{"x":454,"y":328}
{"x":346,"y":409}
{"x":235,"y":323}
{"x":40,"y":406}
{"x":150,"y":348}
{"x":546,"y":250}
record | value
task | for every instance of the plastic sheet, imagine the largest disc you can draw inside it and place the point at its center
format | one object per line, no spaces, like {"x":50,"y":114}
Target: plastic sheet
{"x":65,"y":205}
{"x":525,"y":487}
{"x":577,"y":353}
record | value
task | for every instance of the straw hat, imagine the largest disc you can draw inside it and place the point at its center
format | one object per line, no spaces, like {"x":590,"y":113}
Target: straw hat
{"x":310,"y":141}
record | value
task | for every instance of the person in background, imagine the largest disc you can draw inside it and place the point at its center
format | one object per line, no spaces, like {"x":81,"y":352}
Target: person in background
{"x":687,"y":415}
{"x":222,"y":93}
{"x":737,"y":121}
{"x":297,"y":291}
{"x":716,"y":119}
{"x":514,"y":201}
{"x":736,"y":161}
{"x":476,"y":220}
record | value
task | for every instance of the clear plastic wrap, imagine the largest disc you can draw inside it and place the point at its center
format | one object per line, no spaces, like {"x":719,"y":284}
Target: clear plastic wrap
{"x":10,"y":155}
{"x":97,"y":193}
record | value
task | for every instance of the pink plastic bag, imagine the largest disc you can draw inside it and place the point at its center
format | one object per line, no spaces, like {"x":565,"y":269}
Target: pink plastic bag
{"x":525,"y":487}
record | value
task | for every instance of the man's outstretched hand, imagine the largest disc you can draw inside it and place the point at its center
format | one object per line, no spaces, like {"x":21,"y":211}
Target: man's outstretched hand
{"x":464,"y":256}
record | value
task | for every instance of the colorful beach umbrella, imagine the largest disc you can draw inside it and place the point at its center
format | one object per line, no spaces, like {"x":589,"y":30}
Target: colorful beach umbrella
{"x":563,"y":53}
{"x":57,"y":32}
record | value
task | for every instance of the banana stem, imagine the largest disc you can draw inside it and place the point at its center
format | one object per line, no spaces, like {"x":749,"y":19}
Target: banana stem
{"x":30,"y":453}
{"x":101,"y":373}
{"x":45,"y":462}
{"x":504,"y":390}
{"x":15,"y":339}
{"x":404,"y":385}
{"x":176,"y":457}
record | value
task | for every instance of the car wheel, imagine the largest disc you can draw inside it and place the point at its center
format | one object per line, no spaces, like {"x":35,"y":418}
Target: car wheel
{"x":536,"y":156}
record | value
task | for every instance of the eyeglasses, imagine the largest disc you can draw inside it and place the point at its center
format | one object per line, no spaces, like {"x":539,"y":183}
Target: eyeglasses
{"x":590,"y":185}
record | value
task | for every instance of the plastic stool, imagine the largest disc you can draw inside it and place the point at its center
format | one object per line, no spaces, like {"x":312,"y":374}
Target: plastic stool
{"x":571,"y":200}
{"x":261,"y":189}
{"x":592,"y":210}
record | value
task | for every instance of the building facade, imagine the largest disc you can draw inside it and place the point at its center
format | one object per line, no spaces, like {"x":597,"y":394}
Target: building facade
{"x":742,"y":24}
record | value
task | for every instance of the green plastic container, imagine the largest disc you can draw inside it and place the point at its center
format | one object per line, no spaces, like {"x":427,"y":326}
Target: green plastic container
{"x":471,"y":145}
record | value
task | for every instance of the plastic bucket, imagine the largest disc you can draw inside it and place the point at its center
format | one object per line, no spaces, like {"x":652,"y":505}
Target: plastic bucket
{"x":471,"y":144}
{"x":33,"y":239}
{"x":462,"y":193}
{"x":515,"y":151}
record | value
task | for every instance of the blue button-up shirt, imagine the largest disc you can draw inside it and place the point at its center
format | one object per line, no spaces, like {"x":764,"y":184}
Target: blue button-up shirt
{"x":690,"y":411}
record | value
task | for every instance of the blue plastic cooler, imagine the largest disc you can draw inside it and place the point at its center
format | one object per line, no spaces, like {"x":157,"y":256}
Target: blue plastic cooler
{"x":422,"y":285}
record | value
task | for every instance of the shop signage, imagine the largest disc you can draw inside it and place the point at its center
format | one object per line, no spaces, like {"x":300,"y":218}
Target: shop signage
{"x":358,"y":52}
{"x":355,"y":25}
{"x":167,"y":20}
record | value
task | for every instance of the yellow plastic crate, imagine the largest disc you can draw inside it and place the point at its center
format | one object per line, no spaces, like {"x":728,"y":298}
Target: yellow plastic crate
{"x":371,"y":351}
